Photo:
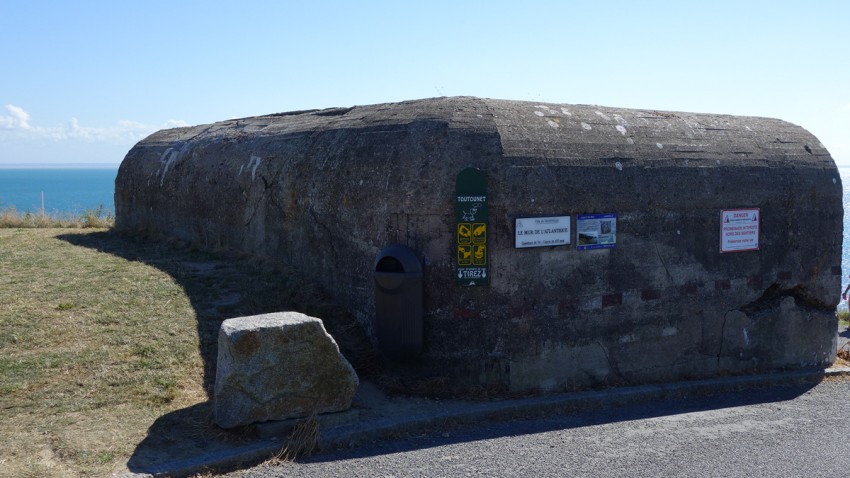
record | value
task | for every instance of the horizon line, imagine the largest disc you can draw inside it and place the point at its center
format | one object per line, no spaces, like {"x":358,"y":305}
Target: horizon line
{"x":59,"y":165}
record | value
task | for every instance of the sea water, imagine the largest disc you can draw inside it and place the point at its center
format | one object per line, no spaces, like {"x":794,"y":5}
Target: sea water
{"x":65,"y":191}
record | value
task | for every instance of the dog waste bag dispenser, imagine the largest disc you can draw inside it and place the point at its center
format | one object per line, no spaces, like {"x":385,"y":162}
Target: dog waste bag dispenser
{"x":398,"y":302}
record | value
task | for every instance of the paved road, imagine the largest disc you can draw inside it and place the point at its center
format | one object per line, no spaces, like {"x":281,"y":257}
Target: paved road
{"x":782,"y":432}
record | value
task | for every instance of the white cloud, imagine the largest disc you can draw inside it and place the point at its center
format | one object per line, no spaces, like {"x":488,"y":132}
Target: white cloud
{"x":17,"y":122}
{"x":17,"y":118}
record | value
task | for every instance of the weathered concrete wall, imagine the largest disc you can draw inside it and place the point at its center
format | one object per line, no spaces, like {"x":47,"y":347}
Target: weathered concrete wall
{"x":326,"y":190}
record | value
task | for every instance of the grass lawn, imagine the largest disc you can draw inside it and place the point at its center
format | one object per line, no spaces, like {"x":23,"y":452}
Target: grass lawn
{"x":101,"y":335}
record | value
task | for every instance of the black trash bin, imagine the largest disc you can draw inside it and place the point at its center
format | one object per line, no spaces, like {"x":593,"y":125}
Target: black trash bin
{"x":398,"y":302}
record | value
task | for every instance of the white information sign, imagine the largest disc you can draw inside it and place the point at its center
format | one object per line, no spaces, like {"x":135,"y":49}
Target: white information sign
{"x":739,"y":230}
{"x":542,"y":231}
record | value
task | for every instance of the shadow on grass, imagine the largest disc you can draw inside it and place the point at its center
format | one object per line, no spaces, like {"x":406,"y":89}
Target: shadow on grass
{"x":220,"y":287}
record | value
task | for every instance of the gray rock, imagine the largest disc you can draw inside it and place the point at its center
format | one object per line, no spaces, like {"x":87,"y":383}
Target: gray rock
{"x":278,"y":366}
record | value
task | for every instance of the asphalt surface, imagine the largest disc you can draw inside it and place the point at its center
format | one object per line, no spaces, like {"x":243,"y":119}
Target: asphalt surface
{"x":799,"y":430}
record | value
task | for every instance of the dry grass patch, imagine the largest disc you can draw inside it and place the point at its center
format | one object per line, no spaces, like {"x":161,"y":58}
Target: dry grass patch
{"x":91,"y":218}
{"x":842,"y":358}
{"x":108,"y":345}
{"x":93,"y":347}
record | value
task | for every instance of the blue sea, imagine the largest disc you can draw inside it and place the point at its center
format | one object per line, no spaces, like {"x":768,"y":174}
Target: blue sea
{"x":73,"y":191}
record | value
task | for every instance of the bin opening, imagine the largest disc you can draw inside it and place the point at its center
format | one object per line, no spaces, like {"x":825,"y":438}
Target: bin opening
{"x":398,"y":303}
{"x":389,"y":264}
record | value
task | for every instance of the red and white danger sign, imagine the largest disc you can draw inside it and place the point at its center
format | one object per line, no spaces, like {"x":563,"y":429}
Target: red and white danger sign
{"x":739,"y":230}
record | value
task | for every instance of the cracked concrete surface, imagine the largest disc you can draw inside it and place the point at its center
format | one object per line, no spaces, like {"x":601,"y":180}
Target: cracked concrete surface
{"x":334,"y":187}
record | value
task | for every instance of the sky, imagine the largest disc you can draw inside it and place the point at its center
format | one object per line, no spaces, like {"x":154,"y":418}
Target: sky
{"x":83,"y":81}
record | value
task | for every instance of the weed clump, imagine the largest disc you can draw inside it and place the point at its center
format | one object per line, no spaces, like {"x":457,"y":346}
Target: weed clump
{"x":98,"y":217}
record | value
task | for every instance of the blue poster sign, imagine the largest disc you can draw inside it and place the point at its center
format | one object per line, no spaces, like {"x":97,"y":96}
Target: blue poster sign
{"x":596,"y":231}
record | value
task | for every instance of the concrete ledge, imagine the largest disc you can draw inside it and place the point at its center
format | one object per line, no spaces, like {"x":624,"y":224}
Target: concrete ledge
{"x":467,"y":413}
{"x":377,"y":417}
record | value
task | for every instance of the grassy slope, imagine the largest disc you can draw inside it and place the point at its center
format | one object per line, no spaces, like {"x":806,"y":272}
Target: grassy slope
{"x":102,"y":335}
{"x":93,"y":347}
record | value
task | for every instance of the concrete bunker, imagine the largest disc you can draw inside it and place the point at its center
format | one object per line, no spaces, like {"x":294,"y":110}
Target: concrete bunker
{"x":643,"y":279}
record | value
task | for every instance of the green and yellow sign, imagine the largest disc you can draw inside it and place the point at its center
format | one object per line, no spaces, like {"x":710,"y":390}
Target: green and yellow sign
{"x":471,"y":232}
